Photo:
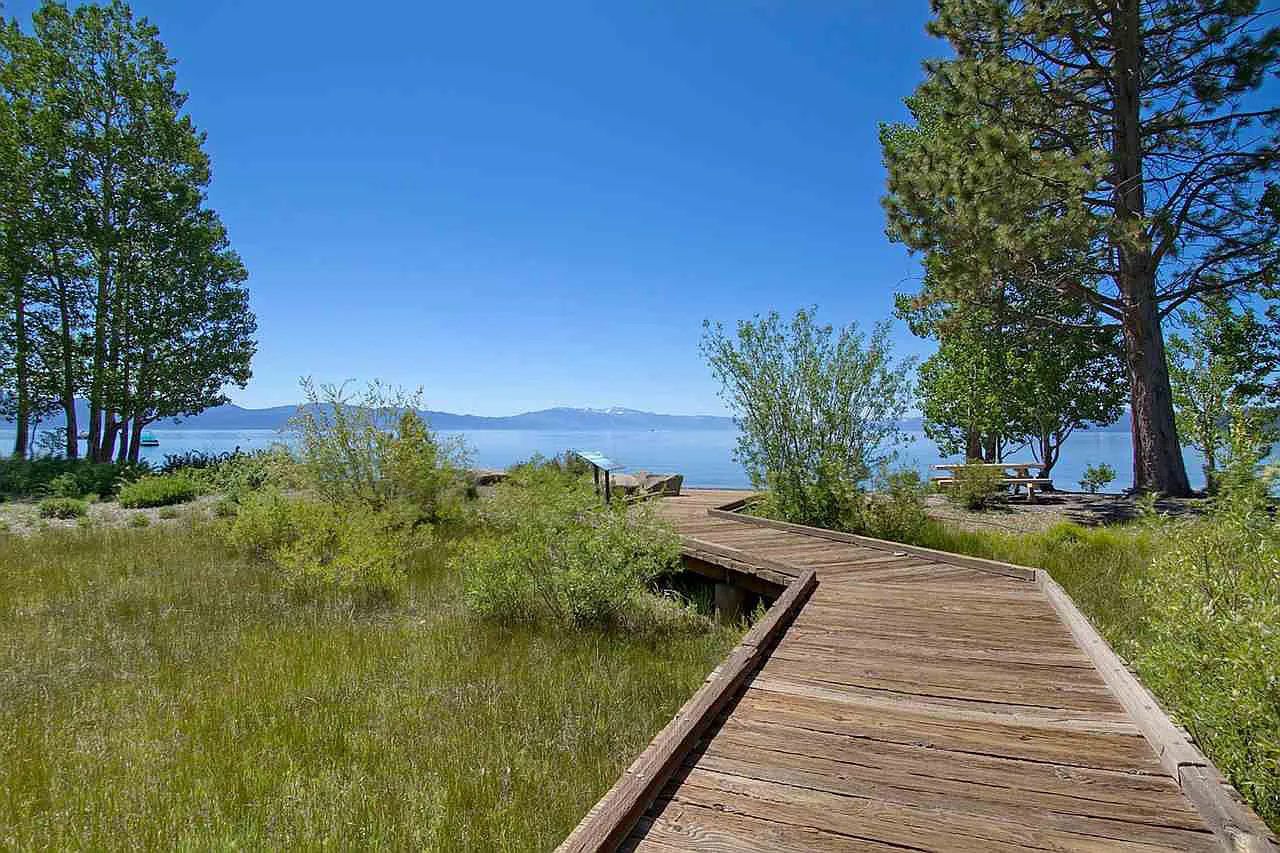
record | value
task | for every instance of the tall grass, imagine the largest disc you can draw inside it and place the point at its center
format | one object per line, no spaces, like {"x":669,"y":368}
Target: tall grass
{"x":159,"y":690}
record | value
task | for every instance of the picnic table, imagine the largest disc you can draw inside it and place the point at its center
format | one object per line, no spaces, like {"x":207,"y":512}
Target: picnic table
{"x":1013,"y":474}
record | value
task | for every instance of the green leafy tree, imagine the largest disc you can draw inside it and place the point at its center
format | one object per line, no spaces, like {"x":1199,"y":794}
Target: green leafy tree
{"x":963,"y":393}
{"x":122,"y":284}
{"x":1017,"y":366}
{"x":1113,"y":154}
{"x":1223,"y":364}
{"x":818,"y":408}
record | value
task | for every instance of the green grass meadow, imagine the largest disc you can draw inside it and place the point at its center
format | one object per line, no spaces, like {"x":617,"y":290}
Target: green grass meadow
{"x":159,"y":691}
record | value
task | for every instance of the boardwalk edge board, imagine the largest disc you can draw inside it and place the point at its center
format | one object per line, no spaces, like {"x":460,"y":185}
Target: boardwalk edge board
{"x":612,"y":818}
{"x":978,"y":563}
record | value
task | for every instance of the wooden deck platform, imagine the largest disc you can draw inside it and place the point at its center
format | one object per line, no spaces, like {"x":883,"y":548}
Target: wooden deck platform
{"x":910,"y":700}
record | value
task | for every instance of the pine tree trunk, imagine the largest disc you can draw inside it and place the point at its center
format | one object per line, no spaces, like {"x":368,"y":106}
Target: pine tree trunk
{"x":110,"y":430}
{"x":1157,"y":455}
{"x":21,"y":355}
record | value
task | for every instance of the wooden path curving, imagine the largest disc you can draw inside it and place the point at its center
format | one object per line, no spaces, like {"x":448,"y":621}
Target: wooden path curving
{"x":901,"y":699}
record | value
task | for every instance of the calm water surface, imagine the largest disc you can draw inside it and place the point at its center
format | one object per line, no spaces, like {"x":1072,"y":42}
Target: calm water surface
{"x":704,"y":457}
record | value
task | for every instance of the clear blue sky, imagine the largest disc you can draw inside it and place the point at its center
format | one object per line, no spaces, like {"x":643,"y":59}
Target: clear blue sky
{"x":520,"y":205}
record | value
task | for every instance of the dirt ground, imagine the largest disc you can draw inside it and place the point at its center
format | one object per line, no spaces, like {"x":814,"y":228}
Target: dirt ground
{"x":23,"y":517}
{"x":1015,"y":515}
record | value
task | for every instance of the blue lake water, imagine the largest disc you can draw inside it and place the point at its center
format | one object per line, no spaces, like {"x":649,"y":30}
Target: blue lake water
{"x":704,"y":457}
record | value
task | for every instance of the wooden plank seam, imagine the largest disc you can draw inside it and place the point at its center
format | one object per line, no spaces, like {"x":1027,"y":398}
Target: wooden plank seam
{"x":613,"y":817}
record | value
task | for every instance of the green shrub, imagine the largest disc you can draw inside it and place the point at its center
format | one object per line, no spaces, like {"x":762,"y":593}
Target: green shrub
{"x":322,"y":547}
{"x":830,"y":500}
{"x":139,"y":520}
{"x":896,"y":509}
{"x":1097,"y":477}
{"x":238,"y":474}
{"x":818,"y":409}
{"x":65,"y":485}
{"x":975,"y":486}
{"x":161,"y":490}
{"x":1211,"y":650}
{"x":225,"y":508}
{"x":376,"y":451}
{"x":36,"y":477}
{"x":62,"y":508}
{"x":548,"y":551}
{"x":167,"y":512}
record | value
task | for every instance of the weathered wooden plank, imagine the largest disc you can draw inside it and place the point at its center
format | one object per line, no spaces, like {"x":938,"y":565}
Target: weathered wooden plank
{"x":991,"y":566}
{"x":686,"y":826}
{"x":804,"y":638}
{"x":924,"y":682}
{"x":1114,"y":787}
{"x":613,"y":817}
{"x":1028,"y":742}
{"x":891,"y":702}
{"x":1158,"y":827}
{"x":702,"y":546}
{"x":917,"y":827}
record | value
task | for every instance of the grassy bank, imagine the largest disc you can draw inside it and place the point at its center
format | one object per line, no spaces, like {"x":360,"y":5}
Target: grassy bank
{"x":157,"y":687}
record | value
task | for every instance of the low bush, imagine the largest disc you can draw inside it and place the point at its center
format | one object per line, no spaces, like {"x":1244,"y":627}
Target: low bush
{"x":139,"y":520}
{"x":195,"y":460}
{"x":235,"y":475}
{"x":896,"y":509}
{"x":1211,"y":651}
{"x":158,"y":490}
{"x":58,"y":477}
{"x":829,"y":500}
{"x":975,"y":486}
{"x":1097,"y":477}
{"x":548,"y":551}
{"x":322,"y":547}
{"x":62,"y":508}
{"x":375,"y":450}
{"x":65,"y":485}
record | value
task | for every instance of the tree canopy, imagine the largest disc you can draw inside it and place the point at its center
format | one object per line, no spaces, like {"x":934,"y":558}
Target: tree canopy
{"x":121,"y":282}
{"x":1115,"y":154}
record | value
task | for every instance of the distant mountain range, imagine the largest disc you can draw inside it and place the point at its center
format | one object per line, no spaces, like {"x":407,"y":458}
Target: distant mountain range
{"x":559,"y":418}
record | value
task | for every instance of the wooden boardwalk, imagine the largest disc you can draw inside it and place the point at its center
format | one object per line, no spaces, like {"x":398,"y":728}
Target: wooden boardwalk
{"x":909,"y":700}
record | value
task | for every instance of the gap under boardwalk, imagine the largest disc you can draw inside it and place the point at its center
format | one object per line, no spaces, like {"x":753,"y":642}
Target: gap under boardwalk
{"x":914,"y":705}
